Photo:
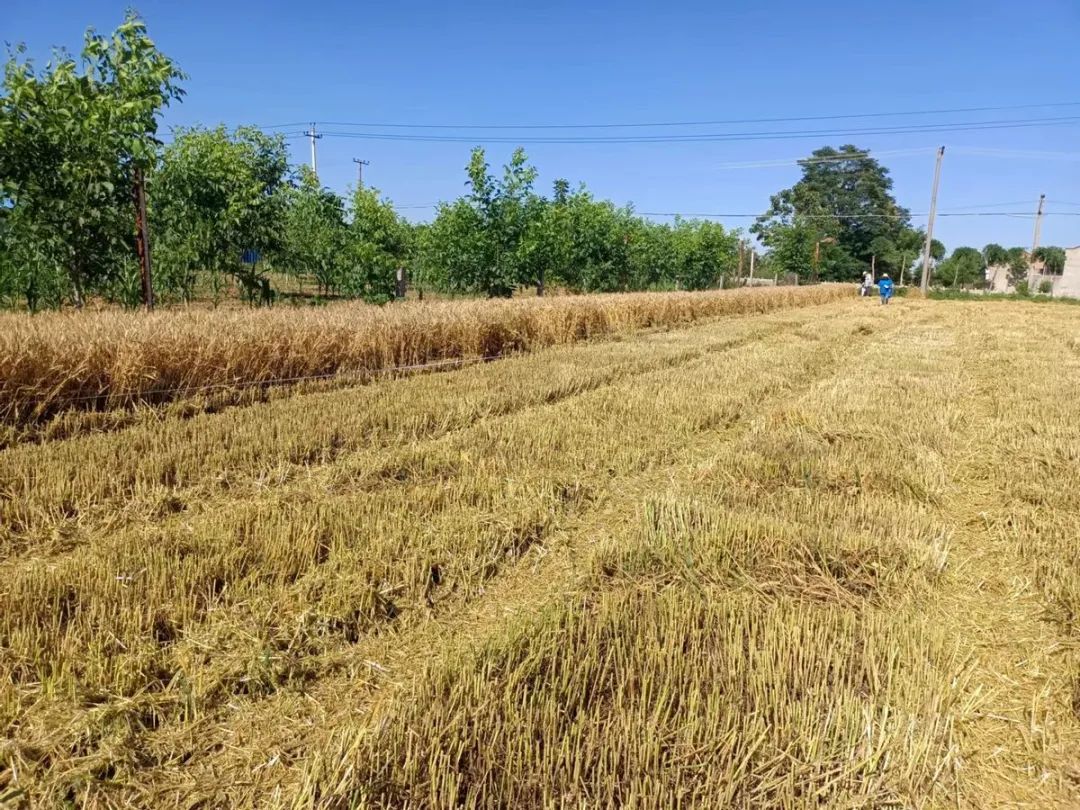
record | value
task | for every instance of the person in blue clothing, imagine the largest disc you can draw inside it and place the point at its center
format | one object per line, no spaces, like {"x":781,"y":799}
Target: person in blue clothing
{"x":885,"y":288}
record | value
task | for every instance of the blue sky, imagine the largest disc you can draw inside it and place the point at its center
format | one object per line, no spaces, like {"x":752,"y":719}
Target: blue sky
{"x":473,"y":63}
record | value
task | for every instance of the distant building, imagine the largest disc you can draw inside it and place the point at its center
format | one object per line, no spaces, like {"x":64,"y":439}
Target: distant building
{"x":1066,"y":283}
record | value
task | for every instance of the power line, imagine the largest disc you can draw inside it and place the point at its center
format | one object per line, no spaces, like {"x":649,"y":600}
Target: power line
{"x":717,"y":122}
{"x":281,"y":126}
{"x":760,"y":135}
{"x":987,"y":205}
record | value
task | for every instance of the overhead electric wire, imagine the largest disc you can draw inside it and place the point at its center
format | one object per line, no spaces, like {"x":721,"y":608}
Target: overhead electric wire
{"x":987,"y":205}
{"x":716,"y":122}
{"x":962,"y":126}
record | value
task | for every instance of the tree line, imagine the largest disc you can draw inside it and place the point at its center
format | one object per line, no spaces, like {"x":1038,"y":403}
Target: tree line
{"x":225,"y":208}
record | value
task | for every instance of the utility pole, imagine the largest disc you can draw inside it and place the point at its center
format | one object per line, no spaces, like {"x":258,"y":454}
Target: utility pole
{"x":753,"y":253}
{"x":873,"y":267}
{"x":360,"y":164}
{"x":312,"y":136}
{"x":142,"y":239}
{"x":925,"y":285}
{"x":1038,"y":225}
{"x":1035,"y":243}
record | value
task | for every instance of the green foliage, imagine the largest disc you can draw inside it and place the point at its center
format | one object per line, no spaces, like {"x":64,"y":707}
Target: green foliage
{"x":215,"y":195}
{"x":478,"y":243}
{"x":1046,"y":286}
{"x":964,"y":267}
{"x":379,"y":243}
{"x":475,"y":244}
{"x":1017,"y":260}
{"x":846,"y":196}
{"x":705,"y":252}
{"x":1053,"y":259}
{"x":651,"y":264}
{"x":793,"y":248}
{"x":453,"y":250}
{"x":577,"y":242}
{"x":1023,"y":289}
{"x":314,"y":239}
{"x":503,"y":236}
{"x":71,"y":139}
{"x":994,"y":254}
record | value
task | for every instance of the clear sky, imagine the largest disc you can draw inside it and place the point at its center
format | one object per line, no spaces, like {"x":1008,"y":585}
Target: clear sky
{"x":505,"y":63}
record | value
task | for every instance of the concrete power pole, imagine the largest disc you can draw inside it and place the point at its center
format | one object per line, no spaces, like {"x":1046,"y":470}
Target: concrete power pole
{"x":1035,"y":240}
{"x":925,"y":285}
{"x":313,"y":137}
{"x":1038,"y":225}
{"x":360,"y":164}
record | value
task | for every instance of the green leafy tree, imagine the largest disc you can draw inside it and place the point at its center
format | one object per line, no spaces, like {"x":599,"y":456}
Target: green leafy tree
{"x":844,"y":194}
{"x":995,"y":254}
{"x":455,"y":254}
{"x":478,"y":243}
{"x":577,"y":242}
{"x":216,"y":195}
{"x":380,"y":244}
{"x":1017,"y":260}
{"x":964,"y":267}
{"x":72,"y":138}
{"x":1053,"y":259}
{"x":651,"y":262}
{"x":29,"y":274}
{"x":705,"y":252}
{"x":803,"y":248}
{"x":894,"y":254}
{"x":315,"y":235}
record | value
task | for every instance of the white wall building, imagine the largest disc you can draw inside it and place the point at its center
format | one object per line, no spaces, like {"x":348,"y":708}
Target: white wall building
{"x":1067,"y":284}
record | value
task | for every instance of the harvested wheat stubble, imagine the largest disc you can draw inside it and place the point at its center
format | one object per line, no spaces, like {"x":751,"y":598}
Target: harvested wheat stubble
{"x":103,"y":360}
{"x":799,"y":559}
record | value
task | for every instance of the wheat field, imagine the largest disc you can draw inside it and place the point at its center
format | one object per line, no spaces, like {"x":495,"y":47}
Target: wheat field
{"x":56,"y":362}
{"x":819,"y":556}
